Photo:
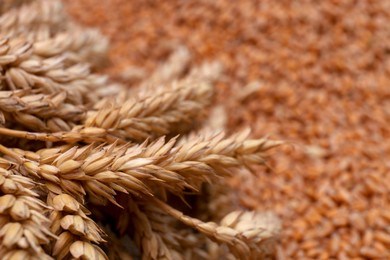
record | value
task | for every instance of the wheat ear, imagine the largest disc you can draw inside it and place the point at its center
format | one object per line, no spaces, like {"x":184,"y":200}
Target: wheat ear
{"x":171,"y":69}
{"x":24,"y":228}
{"x":40,"y":111}
{"x":77,"y":233}
{"x":28,"y":17}
{"x":243,"y":232}
{"x":6,"y":5}
{"x":81,"y":45}
{"x":172,"y":111}
{"x":139,"y":169}
{"x":148,"y":240}
{"x":153,"y":115}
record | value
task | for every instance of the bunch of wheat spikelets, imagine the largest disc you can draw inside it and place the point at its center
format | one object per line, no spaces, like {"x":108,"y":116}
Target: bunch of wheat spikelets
{"x":91,"y":169}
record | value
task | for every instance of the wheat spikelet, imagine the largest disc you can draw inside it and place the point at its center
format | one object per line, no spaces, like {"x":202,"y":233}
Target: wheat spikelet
{"x":171,"y":69}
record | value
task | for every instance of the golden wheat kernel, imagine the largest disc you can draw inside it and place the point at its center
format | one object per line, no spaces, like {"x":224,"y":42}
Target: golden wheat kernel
{"x":16,"y":254}
{"x":50,"y":177}
{"x":23,"y":243}
{"x":93,"y":131}
{"x":6,"y":201}
{"x":48,"y":169}
{"x":98,"y":165}
{"x":382,"y":248}
{"x":69,"y":166}
{"x":32,"y":240}
{"x":31,"y":167}
{"x":19,"y":211}
{"x":382,"y":236}
{"x":32,"y":156}
{"x":6,"y":59}
{"x":63,"y":156}
{"x":251,"y":234}
{"x":80,"y":249}
{"x":110,"y":120}
{"x":65,"y":202}
{"x":54,"y":188}
{"x":74,"y":224}
{"x":11,"y":233}
{"x":369,"y":252}
{"x":9,"y":186}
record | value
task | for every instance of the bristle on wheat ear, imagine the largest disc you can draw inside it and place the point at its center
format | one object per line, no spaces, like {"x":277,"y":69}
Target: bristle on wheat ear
{"x":81,"y":154}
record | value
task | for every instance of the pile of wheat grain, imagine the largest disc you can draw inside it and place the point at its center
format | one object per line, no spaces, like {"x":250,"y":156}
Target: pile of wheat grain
{"x":91,"y":169}
{"x":317,"y":73}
